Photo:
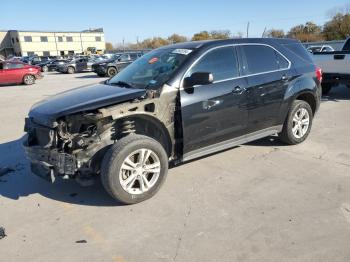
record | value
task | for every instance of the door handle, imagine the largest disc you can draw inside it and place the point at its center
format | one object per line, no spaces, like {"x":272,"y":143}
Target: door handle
{"x":211,"y":103}
{"x":238,"y":90}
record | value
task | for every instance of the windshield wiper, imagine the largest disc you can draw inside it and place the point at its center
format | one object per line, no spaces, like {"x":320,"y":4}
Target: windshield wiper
{"x":121,"y":83}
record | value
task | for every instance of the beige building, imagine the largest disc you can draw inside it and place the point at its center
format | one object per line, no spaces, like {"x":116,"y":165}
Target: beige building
{"x":42,"y":43}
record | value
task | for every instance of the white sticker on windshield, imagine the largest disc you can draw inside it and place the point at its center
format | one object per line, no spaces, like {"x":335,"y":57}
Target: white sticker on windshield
{"x":182,"y":51}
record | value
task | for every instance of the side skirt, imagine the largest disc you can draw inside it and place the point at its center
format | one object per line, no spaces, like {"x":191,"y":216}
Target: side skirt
{"x":231,"y":143}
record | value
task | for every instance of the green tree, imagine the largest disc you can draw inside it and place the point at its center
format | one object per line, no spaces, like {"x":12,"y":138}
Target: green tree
{"x":306,"y":33}
{"x":338,"y":27}
{"x":175,"y":38}
{"x":203,"y":35}
{"x":220,"y":34}
{"x":275,"y":33}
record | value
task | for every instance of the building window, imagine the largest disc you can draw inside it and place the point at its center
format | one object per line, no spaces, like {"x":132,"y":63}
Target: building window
{"x":70,"y":52}
{"x":62,"y":53}
{"x":28,"y":39}
{"x":43,"y":38}
{"x":46,"y":53}
{"x":30,"y":53}
{"x":98,"y":39}
{"x":60,"y":39}
{"x":69,"y":39}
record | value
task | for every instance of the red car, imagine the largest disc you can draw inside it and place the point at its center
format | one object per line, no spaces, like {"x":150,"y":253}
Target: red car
{"x":13,"y":72}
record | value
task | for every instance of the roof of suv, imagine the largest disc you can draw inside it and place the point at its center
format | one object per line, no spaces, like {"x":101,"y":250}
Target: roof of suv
{"x":207,"y":43}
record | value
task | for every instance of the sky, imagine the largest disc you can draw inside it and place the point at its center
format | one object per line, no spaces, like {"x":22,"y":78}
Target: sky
{"x":137,"y":19}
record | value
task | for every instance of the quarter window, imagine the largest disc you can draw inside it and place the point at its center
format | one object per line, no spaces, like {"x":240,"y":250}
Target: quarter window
{"x":221,"y":62}
{"x":259,"y":59}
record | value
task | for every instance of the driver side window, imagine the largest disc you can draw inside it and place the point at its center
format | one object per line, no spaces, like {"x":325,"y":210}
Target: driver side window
{"x":221,"y":62}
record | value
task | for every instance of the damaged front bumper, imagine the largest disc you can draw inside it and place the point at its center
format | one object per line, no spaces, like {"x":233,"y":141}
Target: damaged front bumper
{"x":48,"y":164}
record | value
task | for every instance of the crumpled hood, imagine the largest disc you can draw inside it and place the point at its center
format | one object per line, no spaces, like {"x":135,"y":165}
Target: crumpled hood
{"x":81,"y":99}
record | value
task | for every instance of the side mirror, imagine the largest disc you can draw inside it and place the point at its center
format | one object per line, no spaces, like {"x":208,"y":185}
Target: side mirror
{"x":198,"y":78}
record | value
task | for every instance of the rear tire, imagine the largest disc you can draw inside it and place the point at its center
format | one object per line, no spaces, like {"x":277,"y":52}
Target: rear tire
{"x":298,"y":124}
{"x":29,"y":80}
{"x":126,"y":170}
{"x":326,"y":88}
{"x":70,"y":70}
{"x":112,"y":71}
{"x":45,"y":69}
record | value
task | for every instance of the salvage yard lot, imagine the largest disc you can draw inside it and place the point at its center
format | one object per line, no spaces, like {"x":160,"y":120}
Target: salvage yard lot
{"x":263,"y":201}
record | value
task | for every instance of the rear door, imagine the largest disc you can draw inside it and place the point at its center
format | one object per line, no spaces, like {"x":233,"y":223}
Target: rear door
{"x":214,"y":113}
{"x":267,"y":74}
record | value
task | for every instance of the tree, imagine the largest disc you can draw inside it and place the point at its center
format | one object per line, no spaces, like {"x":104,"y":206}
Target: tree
{"x":275,"y":33}
{"x":109,"y":46}
{"x":175,"y":38}
{"x":203,"y":35}
{"x":306,"y":33}
{"x":220,"y":34}
{"x":153,"y":43}
{"x":338,"y":27}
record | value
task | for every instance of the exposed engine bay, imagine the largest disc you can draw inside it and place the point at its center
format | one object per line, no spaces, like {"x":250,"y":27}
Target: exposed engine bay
{"x":75,"y":146}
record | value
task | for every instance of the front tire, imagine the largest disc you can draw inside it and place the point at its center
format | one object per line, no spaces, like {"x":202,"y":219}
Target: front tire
{"x":70,"y":70}
{"x":134,"y":169}
{"x":111,"y":71}
{"x":298,"y":124}
{"x":29,"y":80}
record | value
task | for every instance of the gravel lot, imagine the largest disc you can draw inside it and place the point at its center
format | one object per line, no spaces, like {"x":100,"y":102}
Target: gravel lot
{"x":258,"y":202}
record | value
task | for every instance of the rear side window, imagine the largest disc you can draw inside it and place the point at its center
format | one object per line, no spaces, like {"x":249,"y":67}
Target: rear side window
{"x":221,"y":62}
{"x":259,"y":59}
{"x":14,"y":66}
{"x":300,"y":51}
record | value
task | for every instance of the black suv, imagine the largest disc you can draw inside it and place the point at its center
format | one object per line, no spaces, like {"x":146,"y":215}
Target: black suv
{"x":175,"y":104}
{"x":116,"y":64}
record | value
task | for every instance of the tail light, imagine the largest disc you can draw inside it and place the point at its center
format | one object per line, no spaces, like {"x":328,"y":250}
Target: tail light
{"x":319,"y":74}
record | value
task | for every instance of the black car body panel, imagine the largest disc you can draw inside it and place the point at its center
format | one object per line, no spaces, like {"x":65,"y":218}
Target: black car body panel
{"x":238,"y":105}
{"x":80,"y":99}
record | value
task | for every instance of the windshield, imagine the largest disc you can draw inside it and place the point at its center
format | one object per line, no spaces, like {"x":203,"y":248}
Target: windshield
{"x":151,"y":70}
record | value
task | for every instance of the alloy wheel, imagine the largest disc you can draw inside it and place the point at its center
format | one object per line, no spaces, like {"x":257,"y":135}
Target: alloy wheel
{"x":139,"y":171}
{"x":301,"y":122}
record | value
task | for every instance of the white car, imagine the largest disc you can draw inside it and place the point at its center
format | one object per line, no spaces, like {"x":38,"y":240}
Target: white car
{"x":320,"y":48}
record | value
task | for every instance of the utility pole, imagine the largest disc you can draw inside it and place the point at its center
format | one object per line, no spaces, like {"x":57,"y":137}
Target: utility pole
{"x":123,"y":45}
{"x":263,"y":34}
{"x":248,"y":29}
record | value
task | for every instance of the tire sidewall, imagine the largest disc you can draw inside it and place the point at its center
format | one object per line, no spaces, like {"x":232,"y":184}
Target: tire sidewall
{"x":114,"y":161}
{"x":296,"y":106}
{"x":45,"y":69}
{"x":111,"y":68}
{"x":70,"y":70}
{"x":26,"y":82}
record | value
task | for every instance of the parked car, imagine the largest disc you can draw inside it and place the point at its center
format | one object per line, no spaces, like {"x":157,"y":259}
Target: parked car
{"x":174,"y":104}
{"x":15,"y":72}
{"x":51,"y":65}
{"x":76,"y":65}
{"x":115,"y":65}
{"x":320,"y":48}
{"x":335,"y":66}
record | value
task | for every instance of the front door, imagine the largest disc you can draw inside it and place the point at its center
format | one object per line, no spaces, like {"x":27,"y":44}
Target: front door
{"x":216,"y":112}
